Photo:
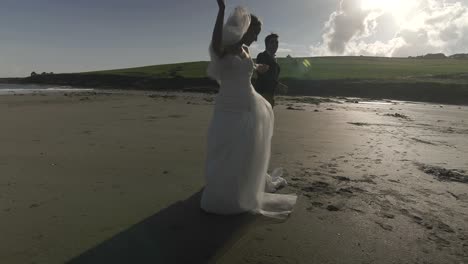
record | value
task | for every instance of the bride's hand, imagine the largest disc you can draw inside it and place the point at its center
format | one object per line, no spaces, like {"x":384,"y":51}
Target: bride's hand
{"x":262,"y":68}
{"x":221,"y":4}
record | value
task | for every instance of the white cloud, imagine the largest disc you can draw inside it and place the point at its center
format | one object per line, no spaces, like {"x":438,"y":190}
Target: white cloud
{"x":418,"y":27}
{"x":284,"y":50}
{"x":254,"y":48}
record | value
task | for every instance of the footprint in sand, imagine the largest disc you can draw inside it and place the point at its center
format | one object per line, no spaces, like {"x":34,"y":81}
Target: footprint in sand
{"x":175,"y":116}
{"x":444,"y":227}
{"x":317,"y":204}
{"x":345,"y":191}
{"x":152,"y":118}
{"x":318,"y":187}
{"x":385,"y":226}
{"x":333,"y":208}
{"x":440,"y":242}
{"x":443,"y":174}
{"x":386,"y":215}
{"x":417,"y":219}
{"x":342,"y":178}
{"x":366,"y":179}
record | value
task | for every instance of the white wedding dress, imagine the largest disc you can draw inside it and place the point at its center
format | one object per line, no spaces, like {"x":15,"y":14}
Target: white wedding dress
{"x":239,"y":142}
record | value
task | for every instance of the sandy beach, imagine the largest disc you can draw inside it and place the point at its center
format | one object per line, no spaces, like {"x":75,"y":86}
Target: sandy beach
{"x":114,"y":177}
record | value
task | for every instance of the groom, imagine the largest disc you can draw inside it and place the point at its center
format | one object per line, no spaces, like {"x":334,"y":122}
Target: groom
{"x":267,"y":83}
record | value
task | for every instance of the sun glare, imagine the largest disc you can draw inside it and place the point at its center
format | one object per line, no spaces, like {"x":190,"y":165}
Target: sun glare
{"x":383,"y":5}
{"x":401,"y":10}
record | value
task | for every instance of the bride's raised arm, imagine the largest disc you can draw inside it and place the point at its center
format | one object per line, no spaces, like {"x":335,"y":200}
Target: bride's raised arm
{"x":217,"y":39}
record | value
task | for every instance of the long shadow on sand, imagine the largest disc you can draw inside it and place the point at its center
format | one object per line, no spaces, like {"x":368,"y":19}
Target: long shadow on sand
{"x":181,"y":233}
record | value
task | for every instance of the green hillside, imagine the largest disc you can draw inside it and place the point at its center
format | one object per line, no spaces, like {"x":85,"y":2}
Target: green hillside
{"x":321,"y":68}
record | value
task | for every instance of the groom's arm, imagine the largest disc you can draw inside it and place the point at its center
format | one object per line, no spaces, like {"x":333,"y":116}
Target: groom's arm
{"x":280,"y":87}
{"x":261,"y":59}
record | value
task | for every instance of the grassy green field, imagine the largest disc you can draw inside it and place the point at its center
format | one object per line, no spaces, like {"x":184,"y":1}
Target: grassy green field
{"x":323,"y":68}
{"x":422,"y":80}
{"x":186,"y":70}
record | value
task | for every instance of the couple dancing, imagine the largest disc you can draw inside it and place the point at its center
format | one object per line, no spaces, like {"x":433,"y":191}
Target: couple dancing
{"x":241,"y":129}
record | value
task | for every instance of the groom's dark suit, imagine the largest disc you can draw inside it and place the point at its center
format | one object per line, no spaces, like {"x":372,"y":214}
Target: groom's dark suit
{"x":266,"y":83}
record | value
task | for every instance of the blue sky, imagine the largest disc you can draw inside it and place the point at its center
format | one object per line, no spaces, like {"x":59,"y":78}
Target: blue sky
{"x":71,"y":35}
{"x":85,"y":35}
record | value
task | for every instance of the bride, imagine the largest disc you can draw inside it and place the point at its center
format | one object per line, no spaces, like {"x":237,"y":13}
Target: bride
{"x":239,"y":136}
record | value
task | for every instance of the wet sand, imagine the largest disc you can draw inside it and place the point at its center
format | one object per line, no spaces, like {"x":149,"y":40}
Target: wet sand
{"x":116,"y":178}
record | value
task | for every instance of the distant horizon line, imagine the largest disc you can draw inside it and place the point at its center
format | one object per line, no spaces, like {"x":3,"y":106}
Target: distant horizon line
{"x":463,"y":55}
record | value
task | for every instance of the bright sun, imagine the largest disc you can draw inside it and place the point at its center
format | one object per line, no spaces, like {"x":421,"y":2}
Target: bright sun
{"x":400,"y":9}
{"x":383,"y":5}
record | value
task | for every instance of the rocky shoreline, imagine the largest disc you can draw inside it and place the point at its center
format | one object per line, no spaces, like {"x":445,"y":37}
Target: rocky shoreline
{"x":427,"y":90}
